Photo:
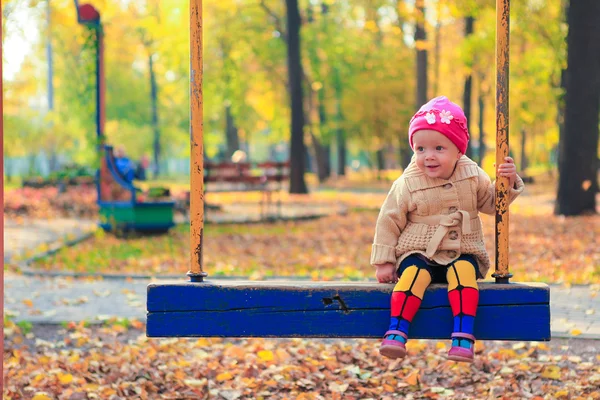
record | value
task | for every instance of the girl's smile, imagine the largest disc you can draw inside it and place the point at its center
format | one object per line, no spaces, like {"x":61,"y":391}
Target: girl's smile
{"x":436,"y":154}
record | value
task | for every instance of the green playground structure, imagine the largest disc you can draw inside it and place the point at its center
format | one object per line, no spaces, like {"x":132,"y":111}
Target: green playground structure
{"x":120,"y":203}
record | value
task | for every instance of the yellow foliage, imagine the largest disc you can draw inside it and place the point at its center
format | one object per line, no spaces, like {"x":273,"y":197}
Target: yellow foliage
{"x":65,"y":379}
{"x":265,"y":355}
{"x":225,"y":376}
{"x":41,"y":396}
{"x":551,"y":372}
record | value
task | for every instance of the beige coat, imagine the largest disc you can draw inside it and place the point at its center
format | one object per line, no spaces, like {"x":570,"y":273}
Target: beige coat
{"x":435,"y":217}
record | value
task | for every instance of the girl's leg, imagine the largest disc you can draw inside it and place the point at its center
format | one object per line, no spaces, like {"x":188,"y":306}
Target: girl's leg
{"x":463,"y":294}
{"x":407,"y":295}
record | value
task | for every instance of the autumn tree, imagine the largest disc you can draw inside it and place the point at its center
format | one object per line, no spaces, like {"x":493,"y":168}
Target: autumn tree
{"x":578,"y":148}
{"x":297,"y":148}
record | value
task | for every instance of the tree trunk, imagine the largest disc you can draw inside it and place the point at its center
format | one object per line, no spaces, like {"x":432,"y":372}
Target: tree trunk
{"x":155,"y":127}
{"x":481,"y":132}
{"x":380,"y":157}
{"x":340,"y":135}
{"x":321,"y":158}
{"x":578,"y":146}
{"x":320,"y":151}
{"x":469,"y":21}
{"x":319,"y":162}
{"x":297,"y":148}
{"x":420,"y":37}
{"x":53,"y":159}
{"x":231,"y":133}
{"x":325,"y":168}
{"x":524,"y":162}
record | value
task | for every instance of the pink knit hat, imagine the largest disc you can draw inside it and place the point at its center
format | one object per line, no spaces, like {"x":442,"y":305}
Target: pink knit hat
{"x":442,"y":115}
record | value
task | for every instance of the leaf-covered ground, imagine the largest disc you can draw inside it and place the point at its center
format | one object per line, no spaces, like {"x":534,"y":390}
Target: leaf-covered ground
{"x":543,"y":247}
{"x":48,"y":203}
{"x":117,"y":361}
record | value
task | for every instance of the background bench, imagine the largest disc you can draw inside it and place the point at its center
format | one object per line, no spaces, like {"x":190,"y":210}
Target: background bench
{"x":265,"y":177}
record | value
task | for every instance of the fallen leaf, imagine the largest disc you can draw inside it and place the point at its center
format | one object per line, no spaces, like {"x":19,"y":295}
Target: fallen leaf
{"x":551,"y":372}
{"x":265,"y":355}
{"x":41,"y":396}
{"x":225,"y":376}
{"x":65,"y":379}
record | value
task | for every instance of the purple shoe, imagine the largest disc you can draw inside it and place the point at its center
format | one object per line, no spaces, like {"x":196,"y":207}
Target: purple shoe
{"x":393,"y":348}
{"x":462,"y":354}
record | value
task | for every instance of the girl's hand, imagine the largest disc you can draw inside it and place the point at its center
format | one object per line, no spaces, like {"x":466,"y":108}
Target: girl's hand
{"x":508,"y":170}
{"x":386,"y":273}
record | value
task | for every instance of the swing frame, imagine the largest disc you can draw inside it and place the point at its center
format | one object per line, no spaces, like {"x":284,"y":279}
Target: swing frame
{"x":280,"y":308}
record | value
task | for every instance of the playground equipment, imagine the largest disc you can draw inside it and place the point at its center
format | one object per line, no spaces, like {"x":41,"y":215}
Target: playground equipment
{"x":509,"y":311}
{"x":120,"y":208}
{"x":119,"y":203}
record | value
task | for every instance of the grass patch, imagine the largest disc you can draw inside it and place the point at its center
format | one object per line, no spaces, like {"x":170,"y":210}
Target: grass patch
{"x":543,"y":247}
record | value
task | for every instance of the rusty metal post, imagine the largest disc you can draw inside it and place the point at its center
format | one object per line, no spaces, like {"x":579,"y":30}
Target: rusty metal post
{"x":196,"y":273}
{"x":502,"y":274}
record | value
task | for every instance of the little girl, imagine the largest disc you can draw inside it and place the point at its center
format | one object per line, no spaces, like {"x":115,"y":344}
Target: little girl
{"x":429,"y":230}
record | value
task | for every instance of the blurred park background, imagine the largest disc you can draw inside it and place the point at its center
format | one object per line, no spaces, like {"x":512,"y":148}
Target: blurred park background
{"x":364,"y":67}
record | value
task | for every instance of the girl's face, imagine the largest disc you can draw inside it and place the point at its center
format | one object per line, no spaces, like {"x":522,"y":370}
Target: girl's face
{"x":436,"y":154}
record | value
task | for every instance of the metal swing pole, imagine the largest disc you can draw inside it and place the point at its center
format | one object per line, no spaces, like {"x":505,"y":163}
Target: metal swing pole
{"x":196,"y":273}
{"x":502,"y":273}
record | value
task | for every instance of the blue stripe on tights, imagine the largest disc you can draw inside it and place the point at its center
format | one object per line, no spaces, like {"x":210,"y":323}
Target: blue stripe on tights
{"x":467,"y":324}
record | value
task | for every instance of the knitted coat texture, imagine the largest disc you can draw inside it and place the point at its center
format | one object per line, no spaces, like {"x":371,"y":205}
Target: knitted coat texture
{"x":435,"y":217}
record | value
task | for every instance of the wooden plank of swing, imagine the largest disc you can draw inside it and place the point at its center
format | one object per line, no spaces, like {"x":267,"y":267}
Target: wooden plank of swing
{"x":223,"y":308}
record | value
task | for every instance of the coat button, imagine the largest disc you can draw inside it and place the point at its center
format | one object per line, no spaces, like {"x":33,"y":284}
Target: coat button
{"x":453,"y":235}
{"x":447,"y":186}
{"x":452,"y":253}
{"x":453,"y":209}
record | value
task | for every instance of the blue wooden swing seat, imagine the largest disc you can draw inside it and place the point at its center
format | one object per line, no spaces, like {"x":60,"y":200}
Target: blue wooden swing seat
{"x":224,"y":308}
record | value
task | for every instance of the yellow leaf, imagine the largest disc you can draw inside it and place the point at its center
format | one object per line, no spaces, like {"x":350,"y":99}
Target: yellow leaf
{"x":225,"y":376}
{"x":575,"y":332}
{"x":440,"y":345}
{"x":65,"y":379}
{"x":265,"y":355}
{"x":41,"y":396}
{"x":561,"y":393}
{"x":551,"y":372}
{"x":28,"y":303}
